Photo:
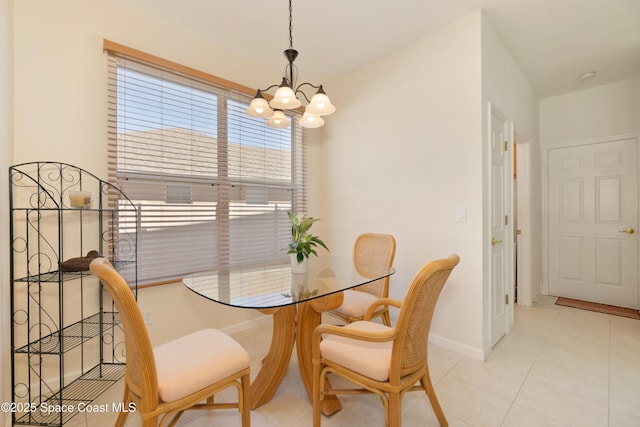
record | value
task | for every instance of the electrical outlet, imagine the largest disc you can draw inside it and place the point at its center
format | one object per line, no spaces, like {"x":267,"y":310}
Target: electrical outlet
{"x":146,"y":316}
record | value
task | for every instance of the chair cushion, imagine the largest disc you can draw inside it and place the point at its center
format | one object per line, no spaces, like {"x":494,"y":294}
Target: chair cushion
{"x":356,"y":303}
{"x":195,"y":361}
{"x":371,"y":359}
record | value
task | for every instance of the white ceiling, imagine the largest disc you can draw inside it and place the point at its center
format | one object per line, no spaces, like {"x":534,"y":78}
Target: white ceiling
{"x":553,"y":41}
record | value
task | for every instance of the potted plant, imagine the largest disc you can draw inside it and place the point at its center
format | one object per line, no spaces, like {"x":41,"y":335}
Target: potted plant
{"x":303,"y":243}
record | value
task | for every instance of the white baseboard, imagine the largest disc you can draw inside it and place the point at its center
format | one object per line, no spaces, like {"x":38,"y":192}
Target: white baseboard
{"x":463,"y":349}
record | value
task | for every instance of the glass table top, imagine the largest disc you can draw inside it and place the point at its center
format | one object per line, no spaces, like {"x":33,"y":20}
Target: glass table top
{"x":276,"y":286}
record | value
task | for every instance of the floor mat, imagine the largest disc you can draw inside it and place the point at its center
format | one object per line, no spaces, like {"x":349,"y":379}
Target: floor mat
{"x":600,"y":308}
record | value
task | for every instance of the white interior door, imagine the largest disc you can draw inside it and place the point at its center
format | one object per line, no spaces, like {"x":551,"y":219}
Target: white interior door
{"x":501,"y":238}
{"x":593,"y":222}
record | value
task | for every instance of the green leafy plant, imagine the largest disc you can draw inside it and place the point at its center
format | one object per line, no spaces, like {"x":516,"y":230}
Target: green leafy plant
{"x":303,"y":243}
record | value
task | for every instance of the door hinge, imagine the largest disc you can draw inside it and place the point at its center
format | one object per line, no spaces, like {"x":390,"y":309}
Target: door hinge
{"x":506,"y":220}
{"x":505,"y":146}
{"x":506,"y":299}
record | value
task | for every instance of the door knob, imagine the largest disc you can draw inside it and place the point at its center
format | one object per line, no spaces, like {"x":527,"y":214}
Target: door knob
{"x":494,"y":241}
{"x":627,"y":230}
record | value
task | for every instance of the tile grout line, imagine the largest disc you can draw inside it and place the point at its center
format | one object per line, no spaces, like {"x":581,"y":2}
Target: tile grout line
{"x":544,"y":341}
{"x":609,"y":321}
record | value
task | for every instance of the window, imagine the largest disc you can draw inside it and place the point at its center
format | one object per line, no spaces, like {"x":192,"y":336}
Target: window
{"x":213,"y":186}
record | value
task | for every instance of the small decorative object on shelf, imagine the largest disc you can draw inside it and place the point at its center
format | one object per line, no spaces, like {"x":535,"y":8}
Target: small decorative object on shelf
{"x":303,"y":243}
{"x":80,"y":199}
{"x":80,"y":263}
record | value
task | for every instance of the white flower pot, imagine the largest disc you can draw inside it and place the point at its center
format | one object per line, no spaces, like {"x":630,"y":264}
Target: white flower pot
{"x":298,"y":267}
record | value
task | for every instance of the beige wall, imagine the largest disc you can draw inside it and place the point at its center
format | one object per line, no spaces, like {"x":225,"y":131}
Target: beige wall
{"x":402,"y":154}
{"x":504,"y":85}
{"x":6,"y":147}
{"x":600,"y":112}
{"x":407,"y":149}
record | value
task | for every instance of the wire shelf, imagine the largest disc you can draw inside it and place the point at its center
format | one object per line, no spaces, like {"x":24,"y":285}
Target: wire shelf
{"x":73,"y":335}
{"x":84,"y":390}
{"x":58,"y":276}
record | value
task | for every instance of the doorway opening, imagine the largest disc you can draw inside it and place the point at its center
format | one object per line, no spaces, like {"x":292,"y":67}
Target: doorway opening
{"x":523,"y":293}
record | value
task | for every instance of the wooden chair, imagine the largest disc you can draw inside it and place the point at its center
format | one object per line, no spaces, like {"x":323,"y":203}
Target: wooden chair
{"x":380,"y":359}
{"x":368,"y":249}
{"x":182,"y":374}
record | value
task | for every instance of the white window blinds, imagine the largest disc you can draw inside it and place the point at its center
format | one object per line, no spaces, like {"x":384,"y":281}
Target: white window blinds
{"x":212,"y":185}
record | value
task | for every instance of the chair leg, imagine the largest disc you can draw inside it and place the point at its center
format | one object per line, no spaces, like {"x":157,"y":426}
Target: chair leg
{"x":150,"y":422}
{"x":431,"y":394}
{"x":172,"y":419}
{"x":246,"y":401}
{"x":394,"y":417}
{"x":315,"y":395}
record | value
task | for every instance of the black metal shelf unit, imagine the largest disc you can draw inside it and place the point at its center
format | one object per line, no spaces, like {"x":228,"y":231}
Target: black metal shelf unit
{"x":67,"y":345}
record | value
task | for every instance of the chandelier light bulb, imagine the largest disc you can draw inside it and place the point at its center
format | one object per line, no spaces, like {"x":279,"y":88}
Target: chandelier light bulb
{"x":320,"y":104}
{"x":278,"y":120}
{"x":310,"y":120}
{"x":285,"y":98}
{"x":259,"y":107}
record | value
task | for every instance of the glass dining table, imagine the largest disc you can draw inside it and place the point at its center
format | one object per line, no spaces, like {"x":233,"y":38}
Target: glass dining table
{"x":296,"y":301}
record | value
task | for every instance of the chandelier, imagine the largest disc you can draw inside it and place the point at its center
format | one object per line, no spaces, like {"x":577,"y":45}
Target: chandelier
{"x":286,"y":97}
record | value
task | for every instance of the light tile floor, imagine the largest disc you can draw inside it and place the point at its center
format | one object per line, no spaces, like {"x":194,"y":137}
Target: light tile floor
{"x":558,"y":367}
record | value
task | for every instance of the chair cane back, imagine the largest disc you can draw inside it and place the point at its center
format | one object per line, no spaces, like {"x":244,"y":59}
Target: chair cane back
{"x":369,"y":249}
{"x":380,"y":359}
{"x":180,"y":375}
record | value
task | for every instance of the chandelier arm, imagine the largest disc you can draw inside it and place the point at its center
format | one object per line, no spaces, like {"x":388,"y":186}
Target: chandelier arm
{"x":269,"y":88}
{"x":299,"y":90}
{"x":303,"y":94}
{"x":308,"y":84}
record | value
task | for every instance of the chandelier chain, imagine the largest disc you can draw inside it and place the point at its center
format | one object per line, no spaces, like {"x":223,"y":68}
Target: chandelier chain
{"x":290,"y":25}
